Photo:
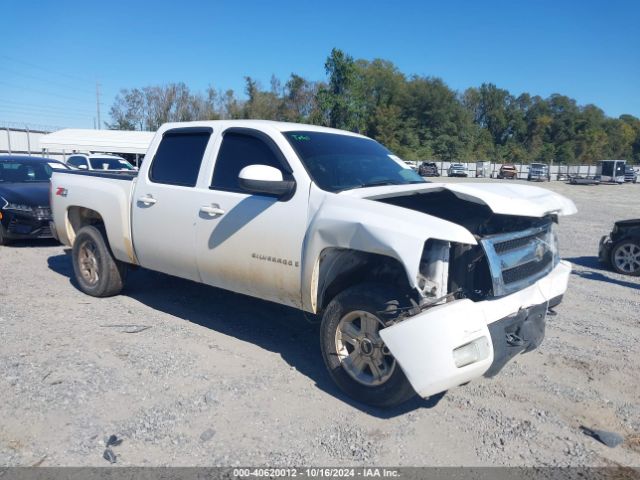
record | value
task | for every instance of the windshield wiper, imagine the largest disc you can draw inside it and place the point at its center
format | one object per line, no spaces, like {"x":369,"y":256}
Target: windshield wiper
{"x":379,"y":183}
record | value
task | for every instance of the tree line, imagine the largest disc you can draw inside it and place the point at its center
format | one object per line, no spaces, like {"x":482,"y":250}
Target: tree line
{"x":417,"y":117}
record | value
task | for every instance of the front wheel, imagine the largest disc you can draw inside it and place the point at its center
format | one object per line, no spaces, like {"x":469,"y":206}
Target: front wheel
{"x":97,"y":272}
{"x":355,"y":355}
{"x":625,"y":257}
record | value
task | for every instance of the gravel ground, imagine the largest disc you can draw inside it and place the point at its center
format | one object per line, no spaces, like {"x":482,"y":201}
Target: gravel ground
{"x":223,"y":379}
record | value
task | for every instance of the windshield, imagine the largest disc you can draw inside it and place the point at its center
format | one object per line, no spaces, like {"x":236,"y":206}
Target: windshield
{"x":338,"y":162}
{"x":541,"y":166}
{"x":108,"y":163}
{"x":27,"y":172}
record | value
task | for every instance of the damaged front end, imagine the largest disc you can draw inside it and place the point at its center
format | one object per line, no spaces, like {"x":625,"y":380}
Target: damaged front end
{"x":481,"y":267}
{"x":480,"y":304}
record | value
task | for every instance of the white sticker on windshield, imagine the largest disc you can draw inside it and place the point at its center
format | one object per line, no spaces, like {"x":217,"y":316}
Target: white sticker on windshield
{"x":399,"y":161}
{"x":56,"y":166}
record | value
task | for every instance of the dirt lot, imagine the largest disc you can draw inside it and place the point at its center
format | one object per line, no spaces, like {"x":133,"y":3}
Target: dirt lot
{"x":223,"y":379}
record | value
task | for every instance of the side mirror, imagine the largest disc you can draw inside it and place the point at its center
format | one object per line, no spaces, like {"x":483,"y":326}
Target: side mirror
{"x":265,"y":179}
{"x":83,"y":167}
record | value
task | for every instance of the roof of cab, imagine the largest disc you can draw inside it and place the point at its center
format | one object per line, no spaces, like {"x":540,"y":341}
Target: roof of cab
{"x":259,"y":125}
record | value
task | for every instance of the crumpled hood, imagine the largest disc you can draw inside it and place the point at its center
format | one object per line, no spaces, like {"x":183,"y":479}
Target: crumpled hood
{"x":524,"y":200}
{"x":349,"y":222}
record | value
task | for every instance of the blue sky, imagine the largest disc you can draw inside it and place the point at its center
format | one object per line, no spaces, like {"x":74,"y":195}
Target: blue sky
{"x":52,"y":53}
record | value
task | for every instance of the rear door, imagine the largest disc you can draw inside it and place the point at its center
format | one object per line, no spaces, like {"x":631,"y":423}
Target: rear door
{"x":165,"y":204}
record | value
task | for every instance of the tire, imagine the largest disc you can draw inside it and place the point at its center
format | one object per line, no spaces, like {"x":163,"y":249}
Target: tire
{"x":625,"y":257}
{"x":96,"y":271}
{"x":351,"y":308}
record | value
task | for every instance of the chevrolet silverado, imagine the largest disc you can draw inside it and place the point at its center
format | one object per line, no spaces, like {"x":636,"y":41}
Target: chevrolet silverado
{"x":420,"y":287}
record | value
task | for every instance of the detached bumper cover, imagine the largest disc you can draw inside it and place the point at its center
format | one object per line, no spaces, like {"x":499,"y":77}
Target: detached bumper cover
{"x":424,"y":344}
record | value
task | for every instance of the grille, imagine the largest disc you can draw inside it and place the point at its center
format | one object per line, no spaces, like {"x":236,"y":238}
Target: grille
{"x":42,"y":213}
{"x":517,"y":260}
{"x":526,"y":270}
{"x":511,"y":244}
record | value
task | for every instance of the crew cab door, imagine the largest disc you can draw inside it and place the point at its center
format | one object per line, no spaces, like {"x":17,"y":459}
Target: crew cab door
{"x":165,"y":204}
{"x":251,"y":243}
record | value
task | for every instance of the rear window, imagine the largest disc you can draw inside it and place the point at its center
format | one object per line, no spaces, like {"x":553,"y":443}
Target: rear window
{"x":179,"y":156}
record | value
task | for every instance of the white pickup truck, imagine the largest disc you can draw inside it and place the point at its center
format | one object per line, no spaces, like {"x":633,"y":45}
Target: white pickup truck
{"x":420,"y":286}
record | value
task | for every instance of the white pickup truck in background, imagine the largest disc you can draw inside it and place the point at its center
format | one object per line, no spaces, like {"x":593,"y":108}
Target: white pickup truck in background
{"x":421,"y":286}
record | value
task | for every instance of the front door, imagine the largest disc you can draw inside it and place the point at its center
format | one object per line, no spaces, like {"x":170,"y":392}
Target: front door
{"x":251,"y":243}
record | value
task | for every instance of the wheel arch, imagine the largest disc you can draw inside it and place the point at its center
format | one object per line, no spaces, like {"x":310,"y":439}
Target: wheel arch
{"x":341,"y":268}
{"x":78,"y":216}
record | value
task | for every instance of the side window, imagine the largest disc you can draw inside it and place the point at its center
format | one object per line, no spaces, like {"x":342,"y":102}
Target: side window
{"x":76,"y":161}
{"x":236,"y":152}
{"x":179,"y":155}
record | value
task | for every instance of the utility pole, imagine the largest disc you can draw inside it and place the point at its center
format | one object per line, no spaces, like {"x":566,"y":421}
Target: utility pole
{"x":98,"y":103}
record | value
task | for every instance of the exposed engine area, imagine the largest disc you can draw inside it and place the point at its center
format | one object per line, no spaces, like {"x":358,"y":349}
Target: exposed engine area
{"x":450,"y":270}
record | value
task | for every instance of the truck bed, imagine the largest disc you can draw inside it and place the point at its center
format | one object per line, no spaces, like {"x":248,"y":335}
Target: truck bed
{"x":76,"y":194}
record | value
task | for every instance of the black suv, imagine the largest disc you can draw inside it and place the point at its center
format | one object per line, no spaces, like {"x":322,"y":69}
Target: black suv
{"x":621,"y":249}
{"x":428,"y":169}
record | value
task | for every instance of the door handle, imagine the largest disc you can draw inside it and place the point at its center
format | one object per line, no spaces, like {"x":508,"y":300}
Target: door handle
{"x":147,"y":200}
{"x":212,"y":210}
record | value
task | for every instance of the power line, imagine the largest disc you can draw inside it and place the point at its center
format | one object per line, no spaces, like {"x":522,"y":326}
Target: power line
{"x":47,"y":80}
{"x":32,"y":106}
{"x":42,"y":114}
{"x":44,"y":92}
{"x":39,"y":67}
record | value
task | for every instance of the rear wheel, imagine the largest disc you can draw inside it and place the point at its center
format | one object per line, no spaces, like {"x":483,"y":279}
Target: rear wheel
{"x":355,"y":355}
{"x":97,"y":272}
{"x":625,"y":257}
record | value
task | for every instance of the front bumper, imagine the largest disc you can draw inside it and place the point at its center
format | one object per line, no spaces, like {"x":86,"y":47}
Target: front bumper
{"x":424,"y":344}
{"x":18,"y":225}
{"x":604,"y":249}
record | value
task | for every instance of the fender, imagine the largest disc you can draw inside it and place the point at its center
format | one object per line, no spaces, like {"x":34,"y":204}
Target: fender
{"x":359,"y":224}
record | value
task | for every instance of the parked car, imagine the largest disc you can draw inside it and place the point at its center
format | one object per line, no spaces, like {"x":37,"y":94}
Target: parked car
{"x":428,"y":169}
{"x":24,"y":197}
{"x":621,"y":248}
{"x":584,"y":179}
{"x":99,"y":162}
{"x":420,"y":286}
{"x":539,"y":172}
{"x":457,"y":170}
{"x":630,"y":174}
{"x":508,"y":171}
